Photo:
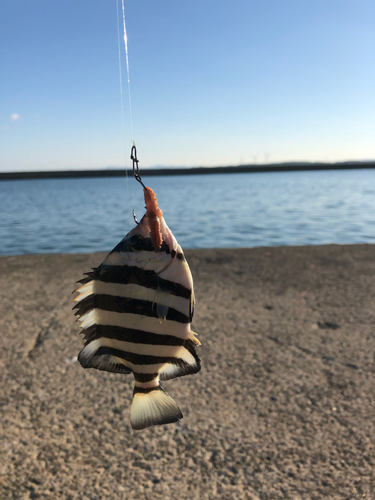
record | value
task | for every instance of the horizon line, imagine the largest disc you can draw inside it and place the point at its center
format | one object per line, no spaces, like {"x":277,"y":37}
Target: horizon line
{"x":153,"y":171}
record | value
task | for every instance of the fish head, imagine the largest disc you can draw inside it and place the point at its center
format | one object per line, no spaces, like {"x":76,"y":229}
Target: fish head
{"x":150,"y":245}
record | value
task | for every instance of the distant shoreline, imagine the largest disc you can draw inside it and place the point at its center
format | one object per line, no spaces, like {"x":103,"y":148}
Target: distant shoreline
{"x":273,"y":167}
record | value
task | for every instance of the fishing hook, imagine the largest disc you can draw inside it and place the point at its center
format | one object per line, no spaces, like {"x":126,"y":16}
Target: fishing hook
{"x":133,"y":156}
{"x":135,"y":218}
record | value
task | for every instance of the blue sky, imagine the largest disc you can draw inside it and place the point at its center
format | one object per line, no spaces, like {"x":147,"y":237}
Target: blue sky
{"x":218,"y":82}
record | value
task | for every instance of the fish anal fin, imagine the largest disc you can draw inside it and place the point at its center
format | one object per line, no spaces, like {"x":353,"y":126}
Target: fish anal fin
{"x":193,"y":337}
{"x":181,"y":367}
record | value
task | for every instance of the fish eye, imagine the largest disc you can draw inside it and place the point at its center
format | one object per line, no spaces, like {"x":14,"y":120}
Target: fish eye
{"x":137,"y":242}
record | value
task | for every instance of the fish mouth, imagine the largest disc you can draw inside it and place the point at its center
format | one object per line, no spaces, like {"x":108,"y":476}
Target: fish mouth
{"x":158,"y":234}
{"x":151,"y":233}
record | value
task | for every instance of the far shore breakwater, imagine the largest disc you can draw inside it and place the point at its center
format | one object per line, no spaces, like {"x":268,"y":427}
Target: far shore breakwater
{"x":119,"y":172}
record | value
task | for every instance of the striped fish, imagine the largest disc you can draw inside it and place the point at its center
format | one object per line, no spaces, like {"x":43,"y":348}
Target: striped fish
{"x":135,"y":310}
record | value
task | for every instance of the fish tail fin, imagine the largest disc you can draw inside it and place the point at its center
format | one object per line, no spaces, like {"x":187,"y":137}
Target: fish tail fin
{"x":152,"y":406}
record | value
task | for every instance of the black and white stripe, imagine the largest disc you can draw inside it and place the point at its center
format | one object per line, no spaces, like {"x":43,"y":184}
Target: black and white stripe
{"x":136,"y":318}
{"x":109,"y":319}
{"x":115,"y":303}
{"x":135,"y":275}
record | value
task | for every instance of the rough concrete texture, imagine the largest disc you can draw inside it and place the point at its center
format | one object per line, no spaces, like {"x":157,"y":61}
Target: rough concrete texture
{"x":283,"y":408}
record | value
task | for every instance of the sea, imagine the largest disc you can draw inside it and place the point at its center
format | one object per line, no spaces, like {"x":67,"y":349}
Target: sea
{"x":81,"y":215}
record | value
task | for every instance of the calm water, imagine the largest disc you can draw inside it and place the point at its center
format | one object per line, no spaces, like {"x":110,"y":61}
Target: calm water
{"x":203,"y":211}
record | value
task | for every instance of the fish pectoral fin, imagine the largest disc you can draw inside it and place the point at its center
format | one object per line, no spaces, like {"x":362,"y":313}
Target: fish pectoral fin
{"x":152,"y":407}
{"x":162,"y":299}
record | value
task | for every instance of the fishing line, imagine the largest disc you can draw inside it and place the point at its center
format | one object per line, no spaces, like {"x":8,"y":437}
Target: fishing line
{"x":121,"y":93}
{"x":127,"y":67}
{"x":121,"y":86}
